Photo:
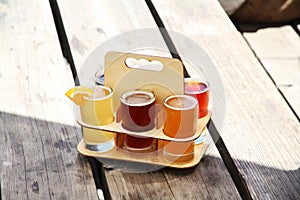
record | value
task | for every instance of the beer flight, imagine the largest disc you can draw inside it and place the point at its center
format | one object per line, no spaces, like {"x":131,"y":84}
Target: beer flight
{"x":137,"y":113}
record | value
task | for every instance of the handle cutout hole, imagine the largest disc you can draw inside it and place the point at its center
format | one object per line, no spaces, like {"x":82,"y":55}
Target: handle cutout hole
{"x":144,"y":64}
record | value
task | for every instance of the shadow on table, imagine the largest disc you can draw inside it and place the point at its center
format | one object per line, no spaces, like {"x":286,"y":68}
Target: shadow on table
{"x":32,"y":146}
{"x":211,"y":173}
{"x":38,"y":158}
{"x":253,"y":27}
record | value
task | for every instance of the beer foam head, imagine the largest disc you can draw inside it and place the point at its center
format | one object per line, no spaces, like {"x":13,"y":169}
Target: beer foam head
{"x":100,"y":92}
{"x":137,"y":98}
{"x":195,"y":87}
{"x":181,"y":102}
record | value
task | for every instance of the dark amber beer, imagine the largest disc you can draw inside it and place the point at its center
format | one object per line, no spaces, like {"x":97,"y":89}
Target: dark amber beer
{"x":137,"y":143}
{"x":199,"y":90}
{"x":137,"y":109}
{"x":137,"y":115}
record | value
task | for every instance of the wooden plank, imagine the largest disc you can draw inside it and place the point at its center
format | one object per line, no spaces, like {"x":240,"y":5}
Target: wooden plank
{"x":278,"y":49}
{"x":112,"y":18}
{"x":260,"y":131}
{"x":279,"y":42}
{"x":38,"y":137}
{"x":99,"y":22}
{"x":285,"y":73}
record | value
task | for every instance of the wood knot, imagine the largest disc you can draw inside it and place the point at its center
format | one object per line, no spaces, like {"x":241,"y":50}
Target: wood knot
{"x":35,"y":187}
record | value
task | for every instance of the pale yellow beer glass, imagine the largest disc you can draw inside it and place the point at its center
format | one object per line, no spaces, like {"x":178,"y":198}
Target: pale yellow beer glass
{"x":98,"y":110}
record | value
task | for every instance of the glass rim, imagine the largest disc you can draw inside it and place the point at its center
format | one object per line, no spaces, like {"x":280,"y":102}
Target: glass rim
{"x":196,"y":80}
{"x":130,"y":92}
{"x":91,"y":98}
{"x":99,"y":77}
{"x":195,"y":102}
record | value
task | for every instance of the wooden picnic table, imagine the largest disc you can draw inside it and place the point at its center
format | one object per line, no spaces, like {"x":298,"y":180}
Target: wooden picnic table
{"x":43,"y":46}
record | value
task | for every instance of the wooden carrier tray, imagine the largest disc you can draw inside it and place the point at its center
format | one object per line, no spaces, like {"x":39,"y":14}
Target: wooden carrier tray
{"x":154,"y":158}
{"x":168,"y":80}
{"x":154,"y":133}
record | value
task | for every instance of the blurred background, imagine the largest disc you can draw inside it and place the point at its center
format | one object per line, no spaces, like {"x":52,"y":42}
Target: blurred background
{"x":271,"y":12}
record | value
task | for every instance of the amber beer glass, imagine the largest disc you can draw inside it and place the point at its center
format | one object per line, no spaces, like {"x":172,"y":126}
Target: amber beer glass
{"x":181,"y":122}
{"x":137,"y":115}
{"x":98,"y":111}
{"x":199,"y":90}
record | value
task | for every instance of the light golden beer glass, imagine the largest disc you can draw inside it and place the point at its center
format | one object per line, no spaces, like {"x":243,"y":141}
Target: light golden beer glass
{"x":98,"y":110}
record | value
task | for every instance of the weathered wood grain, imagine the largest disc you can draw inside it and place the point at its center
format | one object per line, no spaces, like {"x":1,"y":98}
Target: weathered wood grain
{"x":279,"y":51}
{"x":260,"y":131}
{"x":286,"y":74}
{"x":278,"y":42}
{"x":210,"y":178}
{"x":37,"y":133}
{"x":90,"y":24}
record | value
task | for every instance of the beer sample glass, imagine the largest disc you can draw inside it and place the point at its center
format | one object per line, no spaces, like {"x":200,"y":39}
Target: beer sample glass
{"x":181,"y":122}
{"x":98,"y":110}
{"x":199,"y":90}
{"x":137,"y":113}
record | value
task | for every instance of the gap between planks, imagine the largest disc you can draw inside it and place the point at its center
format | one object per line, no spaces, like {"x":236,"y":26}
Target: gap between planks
{"x":271,"y":78}
{"x":99,"y":178}
{"x":34,"y":114}
{"x":284,"y":54}
{"x":123,"y":179}
{"x":248,"y":117}
{"x":236,"y":176}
